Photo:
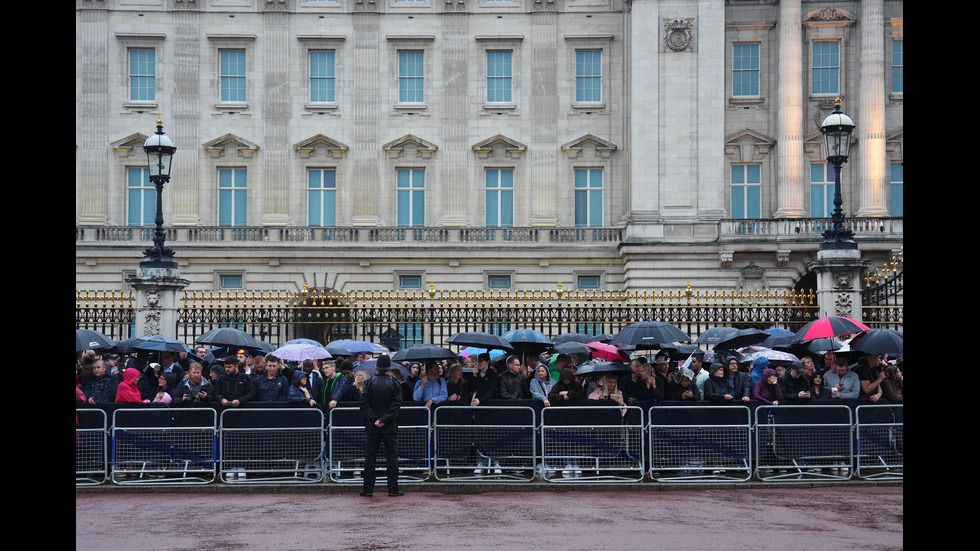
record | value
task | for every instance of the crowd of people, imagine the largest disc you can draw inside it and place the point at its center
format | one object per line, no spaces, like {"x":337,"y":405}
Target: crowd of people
{"x":186,"y":379}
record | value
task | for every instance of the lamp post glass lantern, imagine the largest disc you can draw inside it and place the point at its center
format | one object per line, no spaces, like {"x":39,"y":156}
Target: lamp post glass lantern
{"x":159,"y":152}
{"x":837,"y":130}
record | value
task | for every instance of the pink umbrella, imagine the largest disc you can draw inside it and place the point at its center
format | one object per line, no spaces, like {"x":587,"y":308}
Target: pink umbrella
{"x":607,"y":352}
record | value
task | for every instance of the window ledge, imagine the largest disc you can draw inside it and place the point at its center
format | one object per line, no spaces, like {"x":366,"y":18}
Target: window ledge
{"x":896,"y":96}
{"x":410,"y":107}
{"x":321,"y":106}
{"x":744,"y":101}
{"x":599,"y":106}
{"x":231,"y":106}
{"x":140,"y":105}
{"x":500,"y":106}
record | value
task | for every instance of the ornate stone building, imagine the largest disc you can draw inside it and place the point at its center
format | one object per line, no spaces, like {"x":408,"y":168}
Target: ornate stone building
{"x":485,"y":144}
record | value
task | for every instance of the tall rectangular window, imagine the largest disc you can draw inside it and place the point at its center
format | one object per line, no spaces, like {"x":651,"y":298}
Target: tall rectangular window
{"x":232,"y":75}
{"x":411,"y":196}
{"x":411,"y":333}
{"x":500,"y":197}
{"x":745,"y":70}
{"x":746,"y":191}
{"x":588,"y":197}
{"x":499,"y":76}
{"x":898,"y":66}
{"x":141,"y":197}
{"x":232,"y":196}
{"x":322,"y":197}
{"x":411,"y":77}
{"x":323,"y":78}
{"x":821,"y":190}
{"x":498,"y":283}
{"x":588,"y":75}
{"x":142,"y":74}
{"x":588,"y":283}
{"x":825,"y":67}
{"x":897,"y":189}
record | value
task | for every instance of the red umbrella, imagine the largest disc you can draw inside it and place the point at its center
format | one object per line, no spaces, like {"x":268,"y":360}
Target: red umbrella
{"x":607,"y":352}
{"x":828,"y":328}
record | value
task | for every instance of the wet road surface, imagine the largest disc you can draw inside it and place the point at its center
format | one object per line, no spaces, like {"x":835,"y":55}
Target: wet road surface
{"x":841,"y":518}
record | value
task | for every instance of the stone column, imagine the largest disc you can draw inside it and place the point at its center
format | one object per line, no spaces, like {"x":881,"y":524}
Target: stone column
{"x":156,"y":300}
{"x":790,"y":162}
{"x":839,"y":282}
{"x":871,"y":126}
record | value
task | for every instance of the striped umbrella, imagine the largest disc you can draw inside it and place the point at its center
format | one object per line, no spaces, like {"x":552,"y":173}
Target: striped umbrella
{"x":828,"y":328}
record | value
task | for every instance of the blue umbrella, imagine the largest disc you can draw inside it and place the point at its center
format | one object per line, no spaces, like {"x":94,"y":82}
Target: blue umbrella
{"x":356,"y":347}
{"x":470,"y":350}
{"x":303,"y":341}
{"x":528,"y":341}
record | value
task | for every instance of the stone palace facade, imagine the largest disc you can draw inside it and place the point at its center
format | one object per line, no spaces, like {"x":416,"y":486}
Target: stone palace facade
{"x":485,"y":144}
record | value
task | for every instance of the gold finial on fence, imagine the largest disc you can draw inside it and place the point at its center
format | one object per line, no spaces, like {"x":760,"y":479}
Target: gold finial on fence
{"x":432,"y":290}
{"x":687,"y":290}
{"x":559,"y":291}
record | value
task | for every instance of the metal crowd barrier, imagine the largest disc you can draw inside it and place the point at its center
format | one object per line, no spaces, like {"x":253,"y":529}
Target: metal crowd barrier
{"x":347,"y":441}
{"x":700,"y":443}
{"x":592,"y":443}
{"x":148,"y":444}
{"x":484,"y":443}
{"x":271,"y":445}
{"x":880,"y":442}
{"x":91,"y":447}
{"x":163,"y":446}
{"x":796,"y":443}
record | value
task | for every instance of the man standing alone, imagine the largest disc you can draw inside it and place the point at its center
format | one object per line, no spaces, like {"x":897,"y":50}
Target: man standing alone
{"x":380,"y":401}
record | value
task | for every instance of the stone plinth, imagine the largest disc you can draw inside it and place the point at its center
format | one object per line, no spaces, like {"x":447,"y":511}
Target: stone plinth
{"x":839,"y":282}
{"x":156,"y":298}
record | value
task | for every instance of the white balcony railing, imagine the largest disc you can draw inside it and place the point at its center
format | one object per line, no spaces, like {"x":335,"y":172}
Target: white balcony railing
{"x":805,"y":229}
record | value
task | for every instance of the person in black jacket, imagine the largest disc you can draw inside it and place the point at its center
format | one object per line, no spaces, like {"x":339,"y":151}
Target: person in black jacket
{"x":234,"y":388}
{"x":380,"y":401}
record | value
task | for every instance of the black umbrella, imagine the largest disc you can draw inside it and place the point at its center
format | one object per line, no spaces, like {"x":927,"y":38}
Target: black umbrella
{"x":528,"y":341}
{"x":153,"y":343}
{"x":648,"y":334}
{"x":601,"y":368}
{"x":371,"y":366}
{"x":90,"y":339}
{"x":230,"y":337}
{"x":879,"y":341}
{"x":742,"y":338}
{"x":573,"y":337}
{"x":781,"y":340}
{"x":422,"y":353}
{"x":715,"y":335}
{"x":571,"y":347}
{"x":479,"y":339}
{"x":681,"y":351}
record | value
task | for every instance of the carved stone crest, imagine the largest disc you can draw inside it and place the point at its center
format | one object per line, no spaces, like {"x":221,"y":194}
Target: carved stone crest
{"x":677,"y":34}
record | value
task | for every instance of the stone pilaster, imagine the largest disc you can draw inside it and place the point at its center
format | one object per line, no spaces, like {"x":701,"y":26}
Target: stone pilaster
{"x":870,"y":127}
{"x":790,"y":163}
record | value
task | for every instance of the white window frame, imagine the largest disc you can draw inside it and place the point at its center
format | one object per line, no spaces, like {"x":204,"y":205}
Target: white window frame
{"x":221,"y":43}
{"x":744,"y":186}
{"x":412,"y":196}
{"x":331,"y":79}
{"x":589,"y":170}
{"x":757,"y":70}
{"x":322,"y":192}
{"x":141,"y":41}
{"x":146,"y":192}
{"x":602,"y":43}
{"x":235,"y":172}
{"x":499,"y":191}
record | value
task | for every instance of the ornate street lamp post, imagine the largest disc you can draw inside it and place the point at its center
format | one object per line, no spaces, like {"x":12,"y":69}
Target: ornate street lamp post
{"x":837,"y":129}
{"x":159,"y":152}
